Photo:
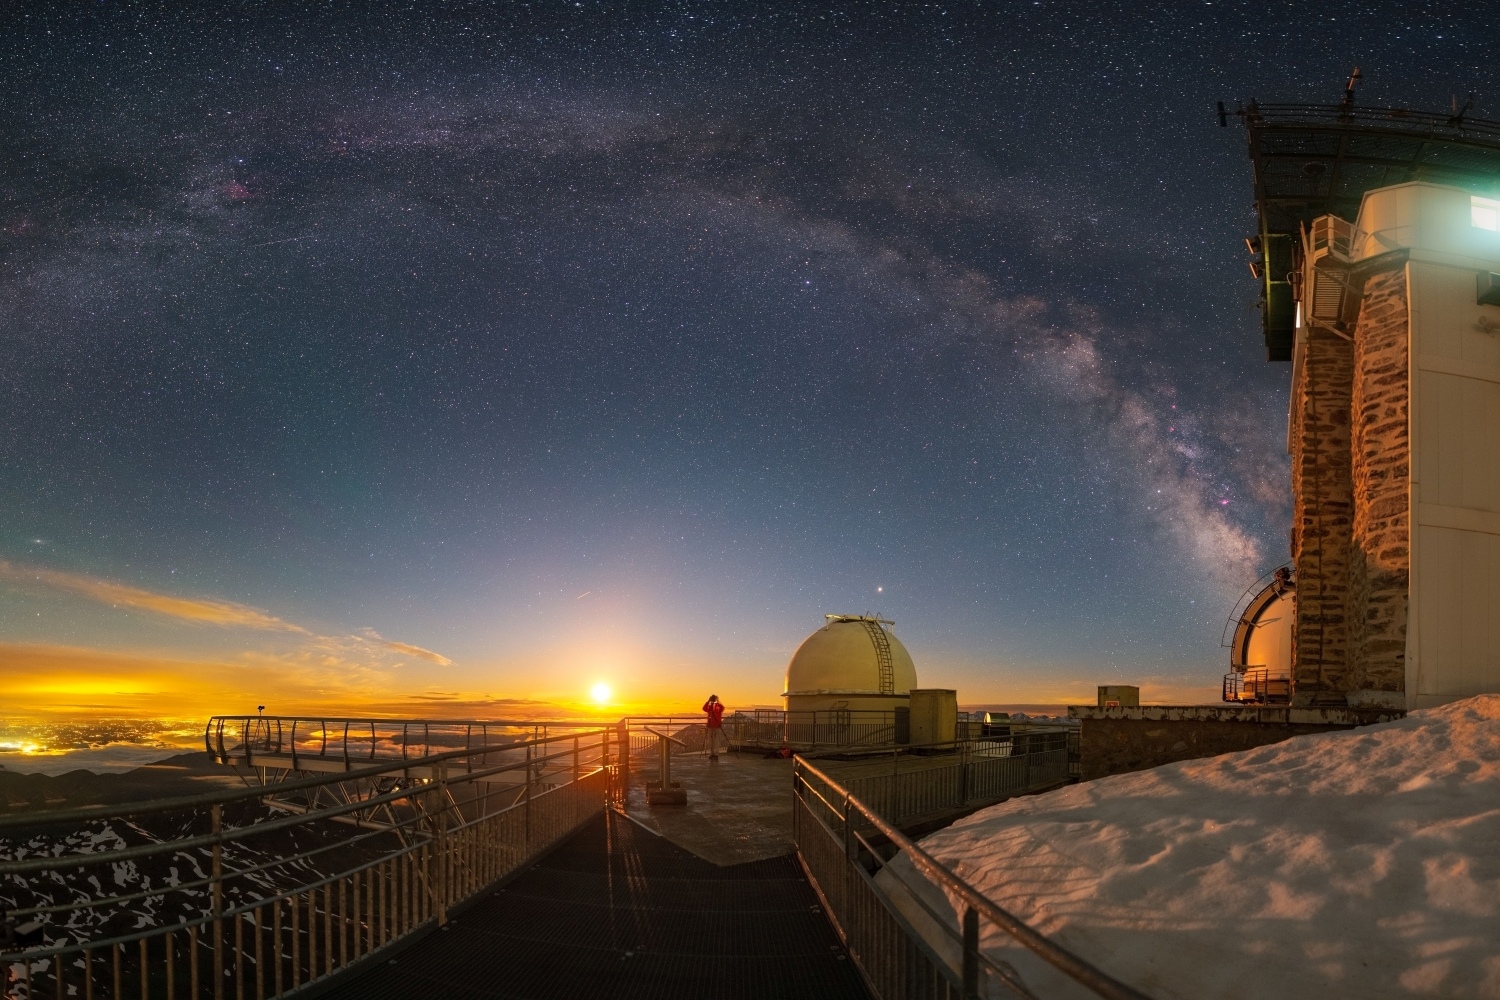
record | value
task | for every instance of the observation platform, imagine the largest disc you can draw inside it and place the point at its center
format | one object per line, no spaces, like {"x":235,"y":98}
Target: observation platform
{"x":512,"y":867}
{"x":617,"y":911}
{"x":739,"y":808}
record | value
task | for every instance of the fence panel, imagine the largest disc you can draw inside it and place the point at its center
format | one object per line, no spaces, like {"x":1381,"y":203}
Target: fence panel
{"x":845,"y":833}
{"x":299,"y":881}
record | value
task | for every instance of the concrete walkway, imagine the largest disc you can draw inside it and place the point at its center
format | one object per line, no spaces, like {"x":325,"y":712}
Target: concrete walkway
{"x":739,"y":807}
{"x":617,"y":911}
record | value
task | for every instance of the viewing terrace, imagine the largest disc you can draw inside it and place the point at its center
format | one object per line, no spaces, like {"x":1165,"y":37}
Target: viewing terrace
{"x":371,"y":858}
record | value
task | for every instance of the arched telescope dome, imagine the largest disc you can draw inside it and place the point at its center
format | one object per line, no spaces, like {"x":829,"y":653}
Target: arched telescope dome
{"x":851,"y":662}
{"x":1260,"y":652}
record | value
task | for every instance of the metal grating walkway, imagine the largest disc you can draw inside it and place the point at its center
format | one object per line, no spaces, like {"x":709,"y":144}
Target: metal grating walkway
{"x":618,"y":912}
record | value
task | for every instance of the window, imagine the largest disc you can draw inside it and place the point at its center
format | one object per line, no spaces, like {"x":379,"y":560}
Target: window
{"x":1484,"y":213}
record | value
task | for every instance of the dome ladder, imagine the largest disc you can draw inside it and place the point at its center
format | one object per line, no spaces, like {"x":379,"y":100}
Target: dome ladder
{"x":882,"y":656}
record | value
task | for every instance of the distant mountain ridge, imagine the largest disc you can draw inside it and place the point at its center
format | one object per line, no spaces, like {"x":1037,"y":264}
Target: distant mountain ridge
{"x":182,"y":774}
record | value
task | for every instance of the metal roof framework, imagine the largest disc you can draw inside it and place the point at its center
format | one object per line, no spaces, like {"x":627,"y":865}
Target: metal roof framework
{"x":1311,"y":160}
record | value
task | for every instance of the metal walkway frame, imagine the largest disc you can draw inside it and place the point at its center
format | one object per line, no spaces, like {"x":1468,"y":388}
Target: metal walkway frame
{"x":843,"y":841}
{"x":304,"y":879}
{"x":280,"y":889}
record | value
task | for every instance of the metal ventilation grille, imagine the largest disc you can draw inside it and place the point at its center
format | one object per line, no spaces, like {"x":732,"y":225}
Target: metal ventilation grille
{"x":882,"y":656}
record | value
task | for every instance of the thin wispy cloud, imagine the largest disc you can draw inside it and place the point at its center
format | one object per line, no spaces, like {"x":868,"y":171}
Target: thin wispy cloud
{"x":209,"y":611}
{"x":373,"y":637}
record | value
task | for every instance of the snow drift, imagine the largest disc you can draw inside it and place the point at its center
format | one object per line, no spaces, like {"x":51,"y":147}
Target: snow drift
{"x":1358,"y":864}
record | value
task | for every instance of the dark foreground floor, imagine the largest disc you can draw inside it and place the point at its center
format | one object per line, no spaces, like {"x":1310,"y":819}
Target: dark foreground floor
{"x":618,"y":912}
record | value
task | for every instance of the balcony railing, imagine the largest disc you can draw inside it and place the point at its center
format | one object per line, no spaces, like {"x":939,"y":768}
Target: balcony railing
{"x":326,"y":743}
{"x":1259,"y":686}
{"x":843,"y":840}
{"x":261,"y":892}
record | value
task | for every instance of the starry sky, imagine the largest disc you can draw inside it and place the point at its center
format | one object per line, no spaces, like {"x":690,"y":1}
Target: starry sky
{"x":441,"y":357}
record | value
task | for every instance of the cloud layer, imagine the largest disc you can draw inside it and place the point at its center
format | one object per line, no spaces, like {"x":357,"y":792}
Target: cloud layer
{"x":209,"y":611}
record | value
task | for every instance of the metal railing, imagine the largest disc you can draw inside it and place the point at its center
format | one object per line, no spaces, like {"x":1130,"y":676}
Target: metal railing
{"x":1395,"y":121}
{"x":264,"y":892}
{"x":842,"y":843}
{"x":358,"y":742}
{"x":771,"y":728}
{"x":910,"y":784}
{"x":1259,"y":685}
{"x":763,"y":728}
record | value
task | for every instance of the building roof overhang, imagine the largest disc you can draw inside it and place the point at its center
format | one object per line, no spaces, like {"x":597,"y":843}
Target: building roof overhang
{"x":1314,"y":160}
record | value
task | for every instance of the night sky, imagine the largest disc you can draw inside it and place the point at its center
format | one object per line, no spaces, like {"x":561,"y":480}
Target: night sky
{"x":444,"y":352}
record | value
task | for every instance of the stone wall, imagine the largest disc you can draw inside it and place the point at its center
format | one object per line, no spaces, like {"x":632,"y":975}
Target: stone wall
{"x":1116,"y":740}
{"x":1381,"y":462}
{"x":1118,"y":746}
{"x":1322,"y":518}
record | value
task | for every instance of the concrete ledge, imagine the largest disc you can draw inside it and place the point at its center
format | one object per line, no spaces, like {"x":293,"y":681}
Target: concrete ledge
{"x":1284,"y":715}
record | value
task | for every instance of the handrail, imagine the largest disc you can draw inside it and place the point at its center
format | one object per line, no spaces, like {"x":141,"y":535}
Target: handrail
{"x":1079,"y":969}
{"x":421,"y":836}
{"x":417,"y":844}
{"x":518,"y":723}
{"x":664,"y":736}
{"x":361,"y":738}
{"x":1394,"y":119}
{"x":236,"y":833}
{"x":86,"y":813}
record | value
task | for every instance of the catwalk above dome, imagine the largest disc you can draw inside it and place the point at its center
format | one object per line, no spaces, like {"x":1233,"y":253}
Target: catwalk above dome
{"x":852,"y":662}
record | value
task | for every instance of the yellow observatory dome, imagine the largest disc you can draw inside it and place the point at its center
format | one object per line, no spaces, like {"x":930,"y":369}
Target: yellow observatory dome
{"x":851,"y":655}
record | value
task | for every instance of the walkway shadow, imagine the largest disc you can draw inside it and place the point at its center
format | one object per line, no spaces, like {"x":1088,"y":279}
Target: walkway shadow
{"x":619,"y":912}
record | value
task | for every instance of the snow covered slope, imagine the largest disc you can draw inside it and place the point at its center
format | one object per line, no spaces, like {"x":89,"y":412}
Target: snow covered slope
{"x":1356,"y":864}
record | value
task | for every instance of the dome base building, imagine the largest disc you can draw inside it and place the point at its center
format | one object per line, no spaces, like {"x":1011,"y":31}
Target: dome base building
{"x":853,"y":663}
{"x":852,"y":683}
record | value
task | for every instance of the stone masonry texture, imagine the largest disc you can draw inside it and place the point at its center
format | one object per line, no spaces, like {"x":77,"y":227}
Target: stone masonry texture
{"x":1322,"y":518}
{"x":1117,"y":746}
{"x":1380,"y":553}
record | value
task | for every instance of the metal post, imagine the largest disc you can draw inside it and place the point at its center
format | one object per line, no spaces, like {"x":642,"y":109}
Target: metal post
{"x":848,"y":831}
{"x":239,"y":958}
{"x":440,"y":895}
{"x":796,"y":810}
{"x":624,"y":739}
{"x":527,"y":840}
{"x":971,"y":953}
{"x":963,"y":774}
{"x":215,"y":825}
{"x":260,"y":965}
{"x":577,"y":766}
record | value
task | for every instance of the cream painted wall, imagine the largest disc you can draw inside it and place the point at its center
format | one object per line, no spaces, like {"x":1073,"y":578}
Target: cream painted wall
{"x":1453,"y":634}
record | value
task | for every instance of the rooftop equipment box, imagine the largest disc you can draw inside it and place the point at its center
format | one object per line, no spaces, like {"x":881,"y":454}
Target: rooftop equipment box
{"x":1123,"y":695}
{"x":934,"y":715}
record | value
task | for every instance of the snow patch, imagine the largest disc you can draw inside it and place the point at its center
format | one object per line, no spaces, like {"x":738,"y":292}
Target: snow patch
{"x":1354,"y":864}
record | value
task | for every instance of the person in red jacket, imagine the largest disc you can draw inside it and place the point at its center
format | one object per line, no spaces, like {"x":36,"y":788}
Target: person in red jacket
{"x":714,"y":709}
